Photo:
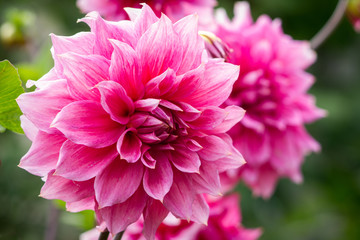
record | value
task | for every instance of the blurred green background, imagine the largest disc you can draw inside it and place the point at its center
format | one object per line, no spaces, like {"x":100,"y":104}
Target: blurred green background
{"x":325,"y":207}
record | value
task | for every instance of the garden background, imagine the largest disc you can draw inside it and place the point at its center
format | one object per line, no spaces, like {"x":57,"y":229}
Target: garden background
{"x":325,"y":207}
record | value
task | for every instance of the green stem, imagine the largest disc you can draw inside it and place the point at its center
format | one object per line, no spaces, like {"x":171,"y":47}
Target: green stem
{"x":331,"y":24}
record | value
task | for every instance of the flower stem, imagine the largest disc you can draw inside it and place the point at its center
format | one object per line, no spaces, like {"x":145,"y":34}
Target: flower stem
{"x":104,"y":235}
{"x":331,"y":24}
{"x":119,"y":235}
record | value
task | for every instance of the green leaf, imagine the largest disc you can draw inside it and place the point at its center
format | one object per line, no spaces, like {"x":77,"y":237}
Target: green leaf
{"x":10,"y":89}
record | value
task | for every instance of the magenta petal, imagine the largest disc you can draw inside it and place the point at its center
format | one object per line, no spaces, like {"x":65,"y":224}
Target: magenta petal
{"x":83,"y":204}
{"x":159,"y":48}
{"x":146,"y":105}
{"x":80,"y":163}
{"x":157,"y":182}
{"x":129,"y":146}
{"x":193,"y":44}
{"x":160,"y":85}
{"x":48,"y":101}
{"x":86,"y":123}
{"x":181,"y":196}
{"x":233,"y":115}
{"x":119,"y":216}
{"x":200,"y":210}
{"x":214,"y":148}
{"x":185,"y":160}
{"x":115,"y":101}
{"x":154,"y":214}
{"x":83,"y":73}
{"x":125,"y":69}
{"x":143,"y":18}
{"x":57,"y":187}
{"x":117,"y":182}
{"x":208,"y":181}
{"x":40,"y":162}
{"x":210,"y":118}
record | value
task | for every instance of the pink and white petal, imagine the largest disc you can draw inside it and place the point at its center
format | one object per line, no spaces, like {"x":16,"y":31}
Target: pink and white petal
{"x":39,"y":162}
{"x":126,"y":70}
{"x":233,"y":115}
{"x":117,"y":182}
{"x":129,"y":146}
{"x":119,"y":216}
{"x":154,"y":214}
{"x":41,"y":106}
{"x":160,"y":85}
{"x":86,"y":123}
{"x":83,"y":72}
{"x":210,"y":118}
{"x":200,"y":210}
{"x":215,"y":88}
{"x":143,"y":18}
{"x":83,"y":204}
{"x":193,"y":44}
{"x":80,"y":163}
{"x":146,"y":105}
{"x":57,"y":187}
{"x":185,"y":160}
{"x":181,"y":196}
{"x":105,"y":30}
{"x":214,"y":148}
{"x":80,"y":43}
{"x":208,"y":181}
{"x":115,"y":101}
{"x":29,"y":128}
{"x":159,"y":48}
{"x":157,"y":182}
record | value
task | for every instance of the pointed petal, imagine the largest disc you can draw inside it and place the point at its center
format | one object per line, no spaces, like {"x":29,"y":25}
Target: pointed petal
{"x":129,"y":146}
{"x":119,"y":216}
{"x":192,"y":43}
{"x":118,"y":182}
{"x":181,"y":196}
{"x":125,"y":69}
{"x":40,"y":162}
{"x":208,"y":181}
{"x":157,"y":182}
{"x":233,"y":115}
{"x":146,"y":105}
{"x":57,"y":187}
{"x":41,"y":106}
{"x":29,"y":128}
{"x":200,"y":210}
{"x":160,"y":85}
{"x":83,"y":73}
{"x":159,"y":48}
{"x":185,"y":160}
{"x":214,"y":148}
{"x":80,"y":163}
{"x":143,"y":18}
{"x":86,"y":122}
{"x":115,"y":101}
{"x":83,"y":204}
{"x":154,"y":214}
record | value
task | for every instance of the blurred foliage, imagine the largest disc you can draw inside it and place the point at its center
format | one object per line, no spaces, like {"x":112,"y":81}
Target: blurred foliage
{"x":325,"y":207}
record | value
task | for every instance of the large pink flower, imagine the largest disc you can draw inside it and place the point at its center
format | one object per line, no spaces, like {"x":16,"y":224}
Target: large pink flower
{"x":224,"y":224}
{"x":128,"y":121}
{"x":174,"y":9}
{"x":272,"y":88}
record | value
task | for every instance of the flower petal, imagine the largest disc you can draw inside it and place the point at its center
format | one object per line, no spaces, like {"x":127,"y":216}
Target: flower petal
{"x":125,"y":69}
{"x":84,"y":204}
{"x":200,"y":210}
{"x":39,"y":162}
{"x":185,"y":160}
{"x":86,"y":122}
{"x":115,"y":101}
{"x":154,"y":214}
{"x":157,"y":182}
{"x":129,"y":146}
{"x":119,"y":216}
{"x":118,"y":182}
{"x":57,"y":187}
{"x":80,"y":163}
{"x":208,"y":181}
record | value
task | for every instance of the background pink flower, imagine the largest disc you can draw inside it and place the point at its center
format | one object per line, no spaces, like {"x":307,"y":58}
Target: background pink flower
{"x":128,"y":121}
{"x":272,"y":88}
{"x":224,"y":224}
{"x":174,"y":9}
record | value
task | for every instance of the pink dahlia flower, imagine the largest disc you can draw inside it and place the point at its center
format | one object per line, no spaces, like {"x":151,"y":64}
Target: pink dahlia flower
{"x":174,"y":9}
{"x":272,"y":88}
{"x":128,"y":121}
{"x":224,"y":224}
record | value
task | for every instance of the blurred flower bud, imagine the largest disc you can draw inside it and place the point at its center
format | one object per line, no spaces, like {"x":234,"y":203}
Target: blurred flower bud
{"x":353,"y":13}
{"x":215,"y":46}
